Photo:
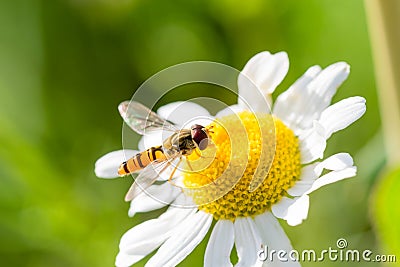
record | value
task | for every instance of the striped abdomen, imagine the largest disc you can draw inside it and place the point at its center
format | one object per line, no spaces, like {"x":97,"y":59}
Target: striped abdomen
{"x":141,"y":160}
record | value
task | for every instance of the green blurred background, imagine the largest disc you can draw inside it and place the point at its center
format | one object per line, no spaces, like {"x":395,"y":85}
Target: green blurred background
{"x":65,"y":65}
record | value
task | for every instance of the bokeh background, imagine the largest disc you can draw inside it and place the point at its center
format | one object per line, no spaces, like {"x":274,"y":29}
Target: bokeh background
{"x":65,"y":65}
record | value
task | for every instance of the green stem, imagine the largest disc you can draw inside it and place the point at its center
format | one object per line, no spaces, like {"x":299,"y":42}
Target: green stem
{"x":384,"y":21}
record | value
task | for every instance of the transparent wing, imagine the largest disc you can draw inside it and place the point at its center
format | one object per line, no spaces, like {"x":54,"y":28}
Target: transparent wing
{"x":147,"y":177}
{"x":142,"y":119}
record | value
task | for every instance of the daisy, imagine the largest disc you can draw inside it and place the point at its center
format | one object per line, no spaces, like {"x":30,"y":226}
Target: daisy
{"x":273,"y":183}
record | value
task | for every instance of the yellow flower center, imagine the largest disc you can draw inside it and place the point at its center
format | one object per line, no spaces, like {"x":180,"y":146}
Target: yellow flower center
{"x":253,"y":160}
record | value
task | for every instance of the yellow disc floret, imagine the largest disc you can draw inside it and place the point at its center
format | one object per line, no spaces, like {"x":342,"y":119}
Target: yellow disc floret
{"x":255,"y":160}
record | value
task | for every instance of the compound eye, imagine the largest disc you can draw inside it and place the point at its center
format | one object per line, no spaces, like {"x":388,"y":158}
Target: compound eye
{"x":200,"y":136}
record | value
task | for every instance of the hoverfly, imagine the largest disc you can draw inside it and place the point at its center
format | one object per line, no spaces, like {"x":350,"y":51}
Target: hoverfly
{"x":153,"y":161}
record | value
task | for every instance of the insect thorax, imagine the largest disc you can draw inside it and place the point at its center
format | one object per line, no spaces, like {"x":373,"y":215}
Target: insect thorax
{"x":180,"y":142}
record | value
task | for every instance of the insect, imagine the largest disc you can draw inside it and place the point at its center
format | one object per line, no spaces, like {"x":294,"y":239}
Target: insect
{"x":153,"y":161}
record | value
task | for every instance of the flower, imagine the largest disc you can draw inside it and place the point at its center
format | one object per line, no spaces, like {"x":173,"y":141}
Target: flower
{"x":274,"y":182}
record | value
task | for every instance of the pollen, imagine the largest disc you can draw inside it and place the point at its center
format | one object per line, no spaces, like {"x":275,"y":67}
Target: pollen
{"x":250,"y":163}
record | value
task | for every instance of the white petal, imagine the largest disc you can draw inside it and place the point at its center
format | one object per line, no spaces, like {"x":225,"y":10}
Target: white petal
{"x":312,"y":143}
{"x":234,"y":109}
{"x":335,"y":162}
{"x":307,"y":177}
{"x":155,"y":197}
{"x":107,"y":166}
{"x":126,"y":260}
{"x":290,"y":102}
{"x":305,"y":104}
{"x":182,"y":241}
{"x":259,"y":78}
{"x":142,"y":239}
{"x":220,"y":245}
{"x":342,"y":114}
{"x":182,"y":112}
{"x":247,"y":241}
{"x":298,"y":211}
{"x":280,"y":209}
{"x":184,"y":201}
{"x":274,"y":238}
{"x":333,"y":177}
{"x":294,"y":211}
{"x":267,"y":71}
{"x":251,"y":97}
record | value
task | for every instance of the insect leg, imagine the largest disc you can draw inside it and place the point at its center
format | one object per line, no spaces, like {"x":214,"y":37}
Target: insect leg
{"x":190,"y":165}
{"x":191,"y":168}
{"x":173,"y":172}
{"x":202,"y":157}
